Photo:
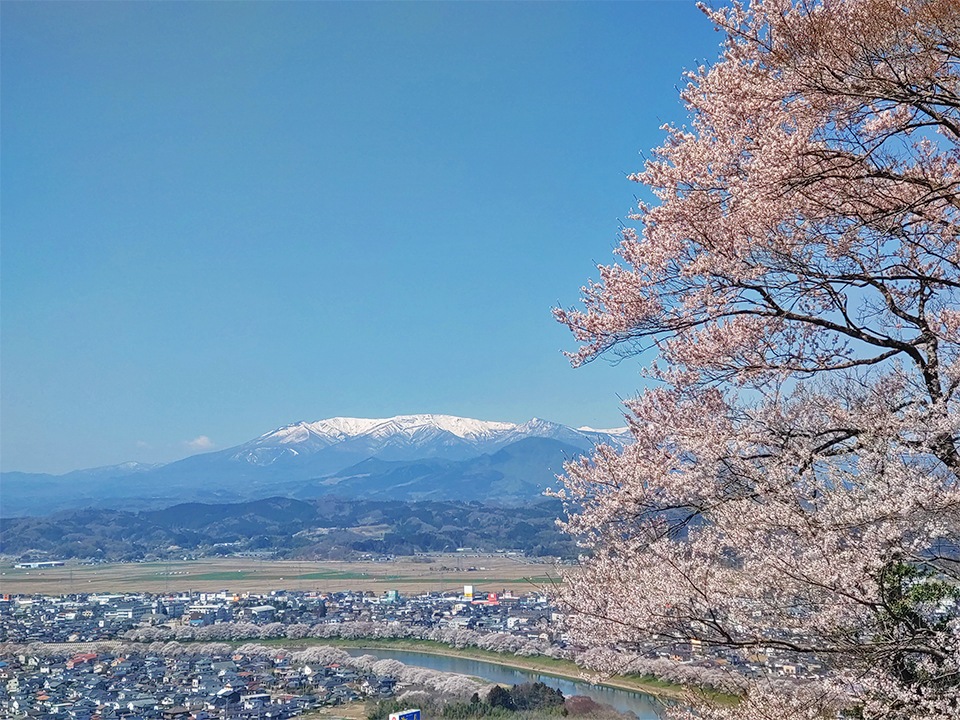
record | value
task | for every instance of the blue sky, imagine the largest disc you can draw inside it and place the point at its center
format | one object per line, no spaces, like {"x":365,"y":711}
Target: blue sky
{"x":220,"y":218}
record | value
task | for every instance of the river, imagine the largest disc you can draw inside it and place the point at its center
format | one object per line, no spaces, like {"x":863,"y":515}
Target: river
{"x":645,"y":707}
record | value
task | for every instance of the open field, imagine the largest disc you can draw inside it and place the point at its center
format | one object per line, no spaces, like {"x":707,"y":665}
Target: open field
{"x":349,"y":711}
{"x":436,"y":573}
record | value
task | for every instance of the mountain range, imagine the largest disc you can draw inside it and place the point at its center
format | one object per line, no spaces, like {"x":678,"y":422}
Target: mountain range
{"x":408,"y":457}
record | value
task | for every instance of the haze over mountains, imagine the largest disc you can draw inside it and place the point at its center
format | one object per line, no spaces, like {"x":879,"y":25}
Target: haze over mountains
{"x":408,"y":457}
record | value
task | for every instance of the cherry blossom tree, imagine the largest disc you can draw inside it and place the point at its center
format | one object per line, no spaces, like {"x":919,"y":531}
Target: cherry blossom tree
{"x":792,"y":481}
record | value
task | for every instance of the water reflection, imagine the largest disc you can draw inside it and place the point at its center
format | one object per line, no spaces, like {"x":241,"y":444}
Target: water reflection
{"x":645,"y":707}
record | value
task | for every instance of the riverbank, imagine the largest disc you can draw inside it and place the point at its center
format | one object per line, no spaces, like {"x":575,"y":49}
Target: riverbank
{"x":563,"y":669}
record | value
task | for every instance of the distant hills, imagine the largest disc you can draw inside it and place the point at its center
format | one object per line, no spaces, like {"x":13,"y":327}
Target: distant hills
{"x":404,"y":458}
{"x":325,"y":528}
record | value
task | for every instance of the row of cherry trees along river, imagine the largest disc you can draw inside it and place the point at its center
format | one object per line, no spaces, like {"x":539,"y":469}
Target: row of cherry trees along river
{"x":596,"y":659}
{"x":791,"y":284}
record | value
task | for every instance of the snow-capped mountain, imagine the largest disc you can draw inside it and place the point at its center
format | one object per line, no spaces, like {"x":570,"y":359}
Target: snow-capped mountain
{"x":408,"y":437}
{"x":408,"y":456}
{"x":583,"y":437}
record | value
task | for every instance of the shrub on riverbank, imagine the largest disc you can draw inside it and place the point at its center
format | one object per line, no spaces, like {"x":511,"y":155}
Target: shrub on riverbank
{"x":526,"y":701}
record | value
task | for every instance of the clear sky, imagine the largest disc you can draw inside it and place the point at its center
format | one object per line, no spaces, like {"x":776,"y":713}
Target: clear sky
{"x":220,"y":218}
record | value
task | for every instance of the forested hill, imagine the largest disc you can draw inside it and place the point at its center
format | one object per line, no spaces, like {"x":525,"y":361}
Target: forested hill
{"x":322,"y":528}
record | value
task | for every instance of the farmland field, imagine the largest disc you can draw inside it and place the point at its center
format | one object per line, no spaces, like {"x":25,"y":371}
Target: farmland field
{"x":439,"y":572}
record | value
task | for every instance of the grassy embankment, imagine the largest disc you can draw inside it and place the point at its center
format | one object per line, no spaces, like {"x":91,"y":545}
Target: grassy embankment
{"x":538,"y":663}
{"x":348,"y":711}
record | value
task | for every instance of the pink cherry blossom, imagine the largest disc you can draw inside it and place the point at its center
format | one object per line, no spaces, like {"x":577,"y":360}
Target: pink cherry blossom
{"x":792,"y":483}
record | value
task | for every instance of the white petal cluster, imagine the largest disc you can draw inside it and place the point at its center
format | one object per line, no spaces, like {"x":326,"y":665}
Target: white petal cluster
{"x":793,"y":478}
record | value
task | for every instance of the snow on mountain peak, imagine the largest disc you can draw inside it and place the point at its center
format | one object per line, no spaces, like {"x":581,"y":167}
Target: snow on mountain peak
{"x":343,"y":427}
{"x":408,"y":436}
{"x":539,"y":424}
{"x":606,"y":431}
{"x":338,"y":429}
{"x":465,"y":428}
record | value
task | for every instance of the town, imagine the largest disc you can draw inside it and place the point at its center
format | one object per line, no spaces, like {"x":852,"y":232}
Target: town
{"x":528,"y":620}
{"x":77,"y":658}
{"x":120,"y":684}
{"x":193,"y":655}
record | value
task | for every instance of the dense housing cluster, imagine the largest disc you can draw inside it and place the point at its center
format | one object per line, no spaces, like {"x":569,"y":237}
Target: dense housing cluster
{"x":224,"y":615}
{"x":105,"y":684}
